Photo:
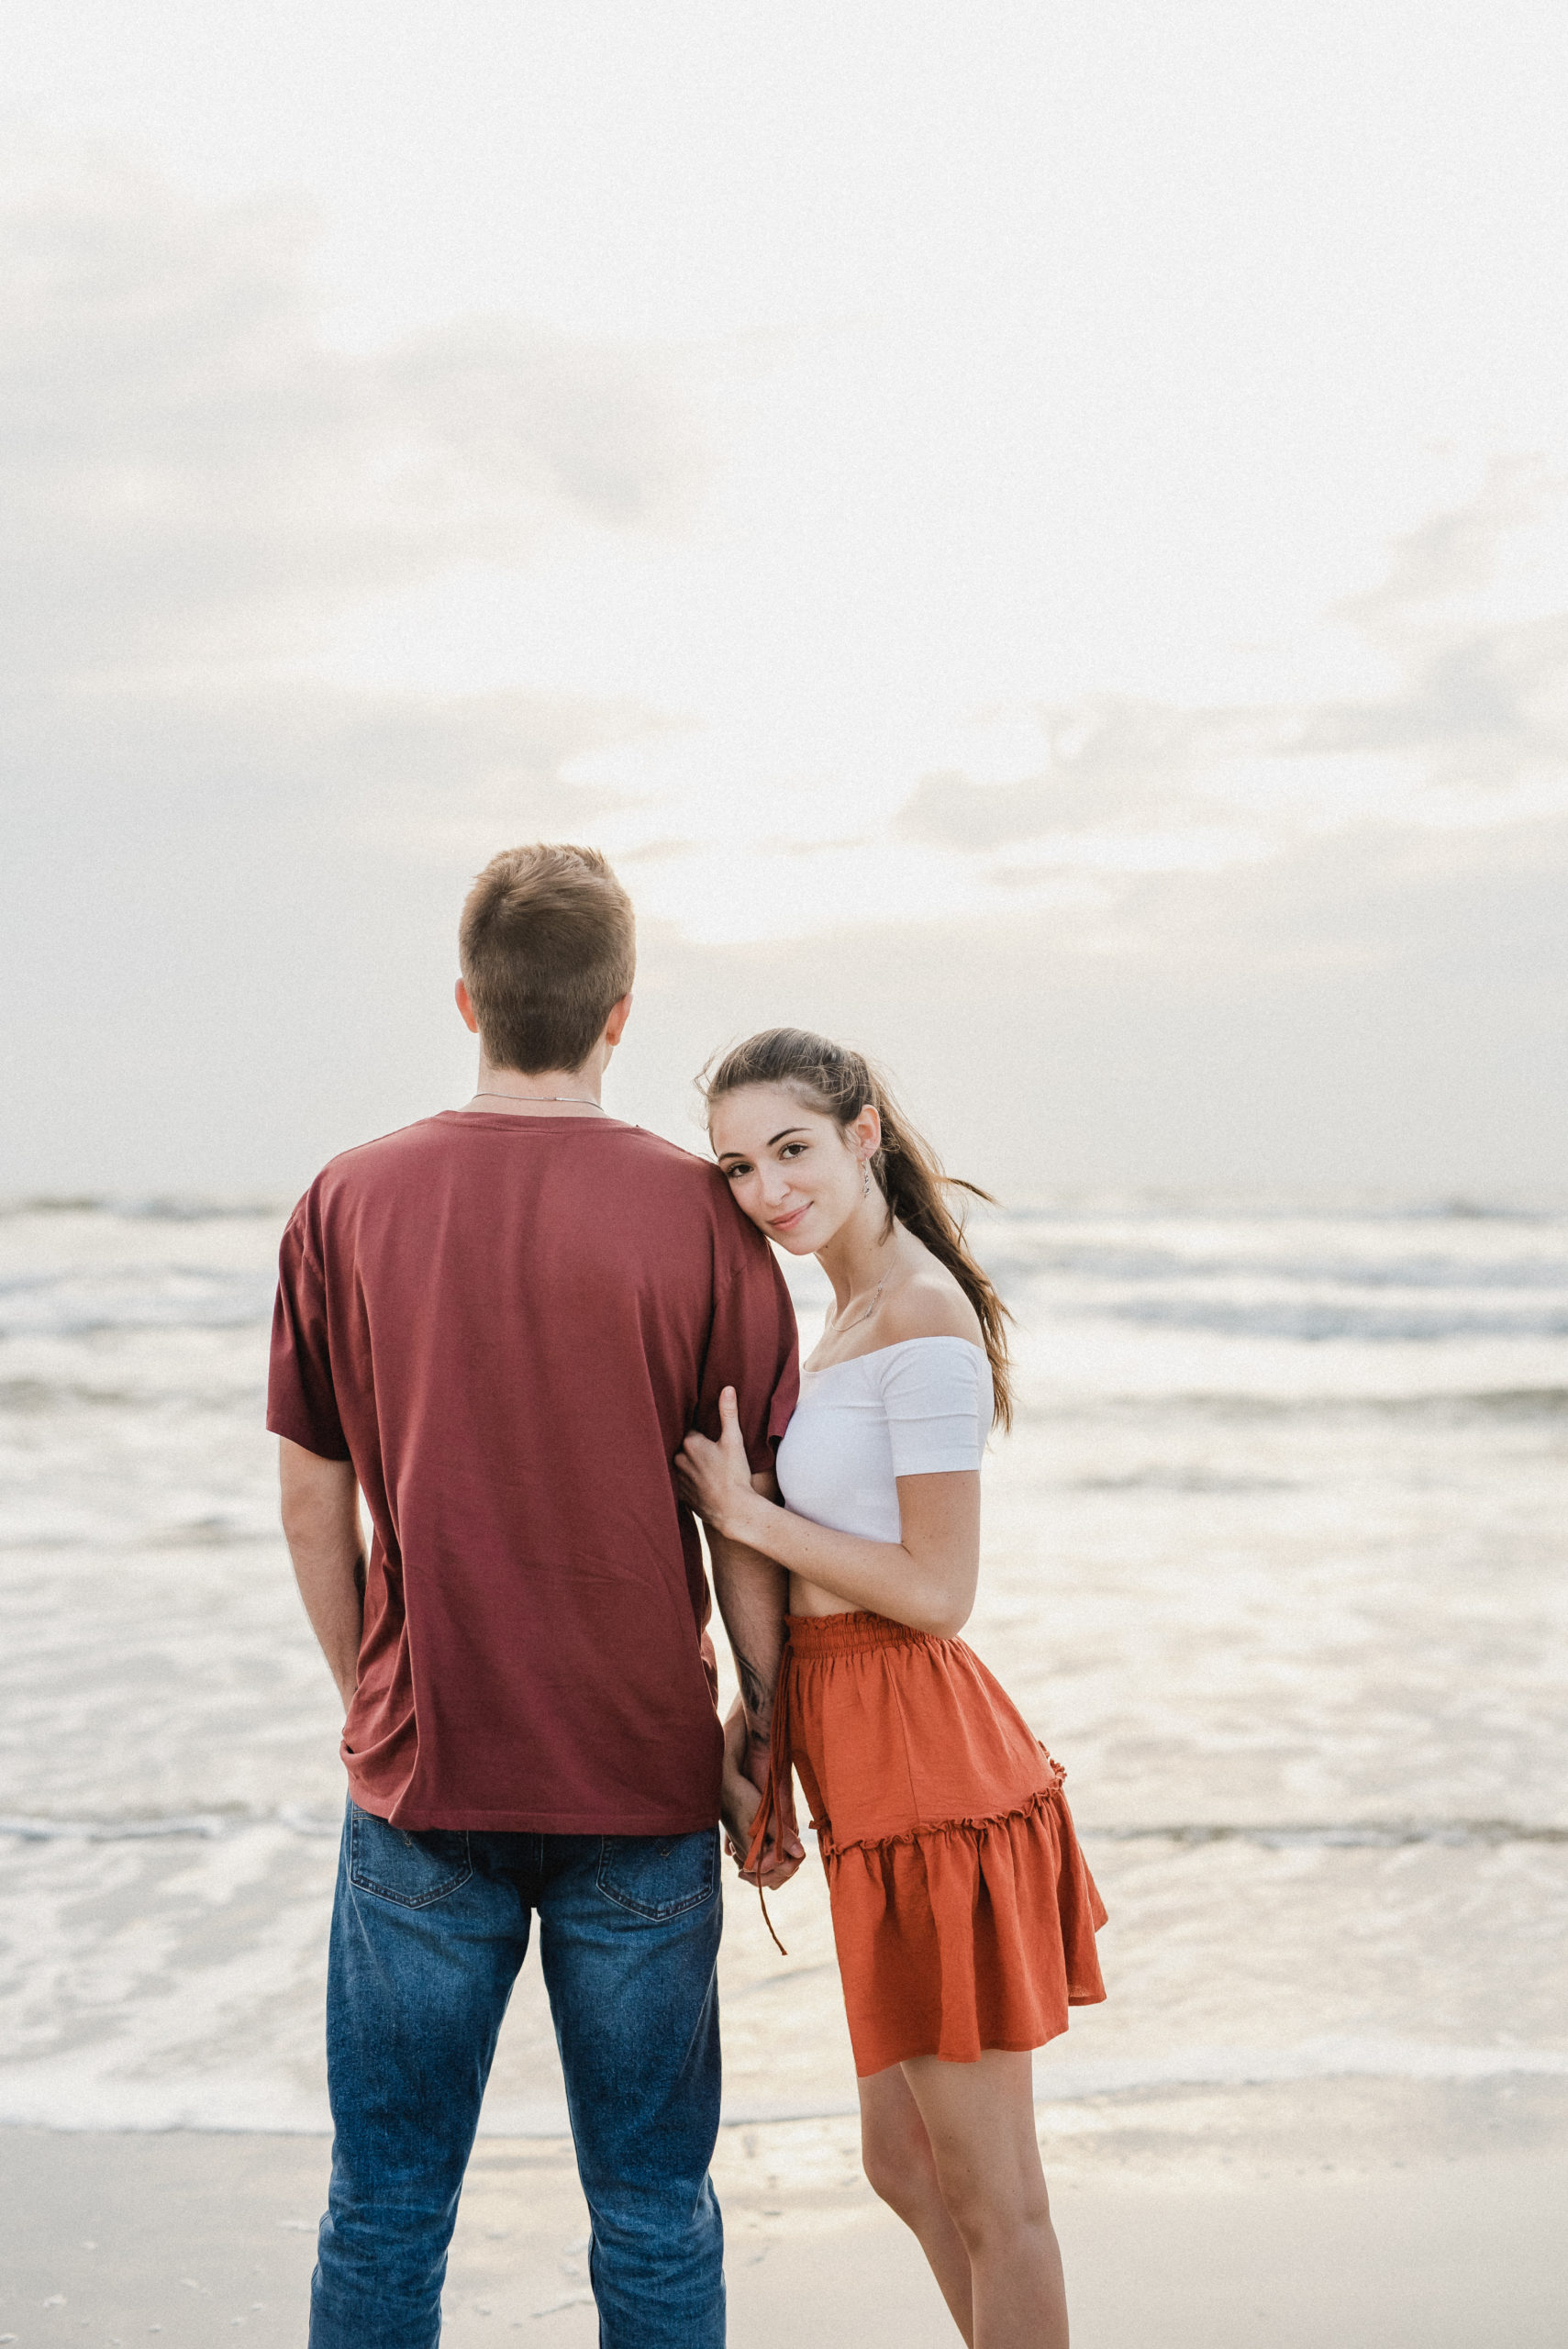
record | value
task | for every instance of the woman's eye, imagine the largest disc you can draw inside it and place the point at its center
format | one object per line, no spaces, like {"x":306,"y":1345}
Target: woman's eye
{"x":731,"y":1172}
{"x":792,"y":1149}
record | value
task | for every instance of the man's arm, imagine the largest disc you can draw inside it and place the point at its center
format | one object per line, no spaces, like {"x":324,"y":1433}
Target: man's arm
{"x":752,"y":1596}
{"x":321,"y":1505}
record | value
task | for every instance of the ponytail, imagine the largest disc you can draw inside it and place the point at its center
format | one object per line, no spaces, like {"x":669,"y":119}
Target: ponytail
{"x":841,"y":1082}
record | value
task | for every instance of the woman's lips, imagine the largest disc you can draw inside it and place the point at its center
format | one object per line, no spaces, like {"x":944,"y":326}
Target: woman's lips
{"x":788,"y":1222}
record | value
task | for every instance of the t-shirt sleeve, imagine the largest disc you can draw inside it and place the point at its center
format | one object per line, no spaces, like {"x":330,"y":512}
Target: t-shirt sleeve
{"x":937,"y":1395}
{"x":301,"y":1403}
{"x":751,"y":1347}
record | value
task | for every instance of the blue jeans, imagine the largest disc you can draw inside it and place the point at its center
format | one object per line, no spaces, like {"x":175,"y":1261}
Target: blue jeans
{"x":428,"y":1931}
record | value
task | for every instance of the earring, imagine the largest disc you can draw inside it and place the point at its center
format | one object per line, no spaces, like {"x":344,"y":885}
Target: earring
{"x":867,"y":1172}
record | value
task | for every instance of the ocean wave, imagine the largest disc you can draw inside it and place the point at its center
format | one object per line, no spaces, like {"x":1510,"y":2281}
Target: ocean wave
{"x":1329,"y":1206}
{"x":36,"y":1395}
{"x":1307,"y":1835}
{"x":205,"y":1824}
{"x":1134,"y":1266}
{"x":28,"y":1397}
{"x":1323,"y":1320}
{"x":1438,"y":1403}
{"x":156,"y":1209}
{"x":85,"y":2091}
{"x":1316,"y":2059}
{"x":1180,"y":1480}
{"x":1307,"y":1283}
{"x":1358,"y":1835}
{"x":79,"y":1304}
{"x":118,"y":1537}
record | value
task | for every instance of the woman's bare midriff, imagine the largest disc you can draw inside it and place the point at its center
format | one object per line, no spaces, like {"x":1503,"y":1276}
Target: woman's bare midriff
{"x":810,"y":1598}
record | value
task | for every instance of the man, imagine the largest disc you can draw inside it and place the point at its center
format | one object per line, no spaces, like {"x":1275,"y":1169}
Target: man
{"x":498,"y":1325}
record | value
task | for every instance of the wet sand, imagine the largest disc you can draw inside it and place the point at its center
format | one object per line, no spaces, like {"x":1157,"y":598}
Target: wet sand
{"x":187,"y":2238}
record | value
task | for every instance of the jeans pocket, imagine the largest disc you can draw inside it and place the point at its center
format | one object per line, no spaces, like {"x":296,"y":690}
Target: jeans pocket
{"x":659,"y":1876}
{"x":397,"y":1865}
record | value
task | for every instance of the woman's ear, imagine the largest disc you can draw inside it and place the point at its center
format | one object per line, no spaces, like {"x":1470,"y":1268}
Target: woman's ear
{"x":866,"y":1129}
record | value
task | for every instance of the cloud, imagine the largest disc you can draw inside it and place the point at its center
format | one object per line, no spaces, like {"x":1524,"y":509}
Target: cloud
{"x":1458,"y":549}
{"x":1376,"y":1007}
{"x":1111,"y":759}
{"x":230,"y":882}
{"x":231,"y":915}
{"x":1247,"y":937}
{"x":1476,"y":705}
{"x":190,"y":466}
{"x":295,"y":758}
{"x":1483,"y":705}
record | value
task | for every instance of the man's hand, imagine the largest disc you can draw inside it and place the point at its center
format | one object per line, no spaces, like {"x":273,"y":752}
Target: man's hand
{"x":745,"y":1776}
{"x":740,"y":1794}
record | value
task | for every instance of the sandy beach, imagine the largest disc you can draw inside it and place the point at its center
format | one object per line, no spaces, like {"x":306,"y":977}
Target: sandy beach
{"x":1337,"y":2218}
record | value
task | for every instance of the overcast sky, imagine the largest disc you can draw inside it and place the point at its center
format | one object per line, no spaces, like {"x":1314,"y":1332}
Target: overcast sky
{"x":1036,"y":537}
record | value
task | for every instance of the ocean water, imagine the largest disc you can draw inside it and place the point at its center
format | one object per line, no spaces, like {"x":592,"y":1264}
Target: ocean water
{"x":1274,"y":1560}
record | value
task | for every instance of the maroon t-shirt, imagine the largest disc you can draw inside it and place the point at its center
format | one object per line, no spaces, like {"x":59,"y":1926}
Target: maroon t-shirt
{"x":507,"y":1324}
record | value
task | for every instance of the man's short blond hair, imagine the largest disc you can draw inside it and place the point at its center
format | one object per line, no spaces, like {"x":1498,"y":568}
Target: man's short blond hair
{"x":548,"y":945}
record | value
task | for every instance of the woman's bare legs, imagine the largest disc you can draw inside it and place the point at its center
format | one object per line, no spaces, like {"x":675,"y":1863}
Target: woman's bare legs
{"x":901,"y":2167}
{"x":979,"y":2127}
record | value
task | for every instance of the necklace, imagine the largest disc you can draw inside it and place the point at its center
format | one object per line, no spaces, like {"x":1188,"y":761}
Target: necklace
{"x":586,"y":1100}
{"x":871,"y":1309}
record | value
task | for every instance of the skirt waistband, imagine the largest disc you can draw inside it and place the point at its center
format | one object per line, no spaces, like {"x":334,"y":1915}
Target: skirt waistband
{"x":812,"y":1635}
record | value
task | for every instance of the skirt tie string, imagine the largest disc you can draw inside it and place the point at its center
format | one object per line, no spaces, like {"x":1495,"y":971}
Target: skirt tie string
{"x":771,"y":1809}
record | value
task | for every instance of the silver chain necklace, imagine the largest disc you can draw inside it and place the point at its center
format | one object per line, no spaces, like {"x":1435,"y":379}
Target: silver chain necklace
{"x":871,"y":1309}
{"x":587,"y":1102}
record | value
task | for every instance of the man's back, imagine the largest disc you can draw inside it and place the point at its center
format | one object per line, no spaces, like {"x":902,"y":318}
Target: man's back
{"x":507,"y":1323}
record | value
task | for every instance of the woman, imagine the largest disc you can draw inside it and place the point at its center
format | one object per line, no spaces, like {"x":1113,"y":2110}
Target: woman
{"x":964,"y":1914}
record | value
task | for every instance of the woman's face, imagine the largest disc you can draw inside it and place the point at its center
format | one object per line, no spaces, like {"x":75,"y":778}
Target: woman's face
{"x":795,"y":1171}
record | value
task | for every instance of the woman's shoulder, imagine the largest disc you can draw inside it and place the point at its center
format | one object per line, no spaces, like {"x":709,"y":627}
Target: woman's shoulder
{"x":929,"y":1304}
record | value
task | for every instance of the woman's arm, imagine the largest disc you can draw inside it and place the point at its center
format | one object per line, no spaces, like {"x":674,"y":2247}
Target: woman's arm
{"x":926,"y":1579}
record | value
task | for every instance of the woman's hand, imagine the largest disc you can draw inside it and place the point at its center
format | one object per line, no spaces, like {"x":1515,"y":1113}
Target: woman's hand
{"x":715,"y":1478}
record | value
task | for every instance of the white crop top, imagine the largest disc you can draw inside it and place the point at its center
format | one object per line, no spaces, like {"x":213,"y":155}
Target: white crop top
{"x":912,"y":1410}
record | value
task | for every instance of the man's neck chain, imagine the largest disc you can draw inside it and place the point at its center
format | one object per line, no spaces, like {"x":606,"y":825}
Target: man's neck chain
{"x":586,"y":1099}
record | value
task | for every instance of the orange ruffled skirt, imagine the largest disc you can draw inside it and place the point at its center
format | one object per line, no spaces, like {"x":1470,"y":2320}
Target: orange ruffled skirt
{"x":963,"y":1912}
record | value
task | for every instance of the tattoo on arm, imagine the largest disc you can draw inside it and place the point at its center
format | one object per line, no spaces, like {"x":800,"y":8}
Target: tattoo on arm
{"x":755,"y":1694}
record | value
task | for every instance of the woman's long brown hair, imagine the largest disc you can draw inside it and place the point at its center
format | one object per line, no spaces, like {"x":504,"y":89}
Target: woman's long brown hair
{"x":841,"y":1083}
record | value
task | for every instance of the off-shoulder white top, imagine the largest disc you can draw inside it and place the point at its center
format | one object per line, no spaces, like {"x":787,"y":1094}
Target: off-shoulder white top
{"x":913,"y":1409}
